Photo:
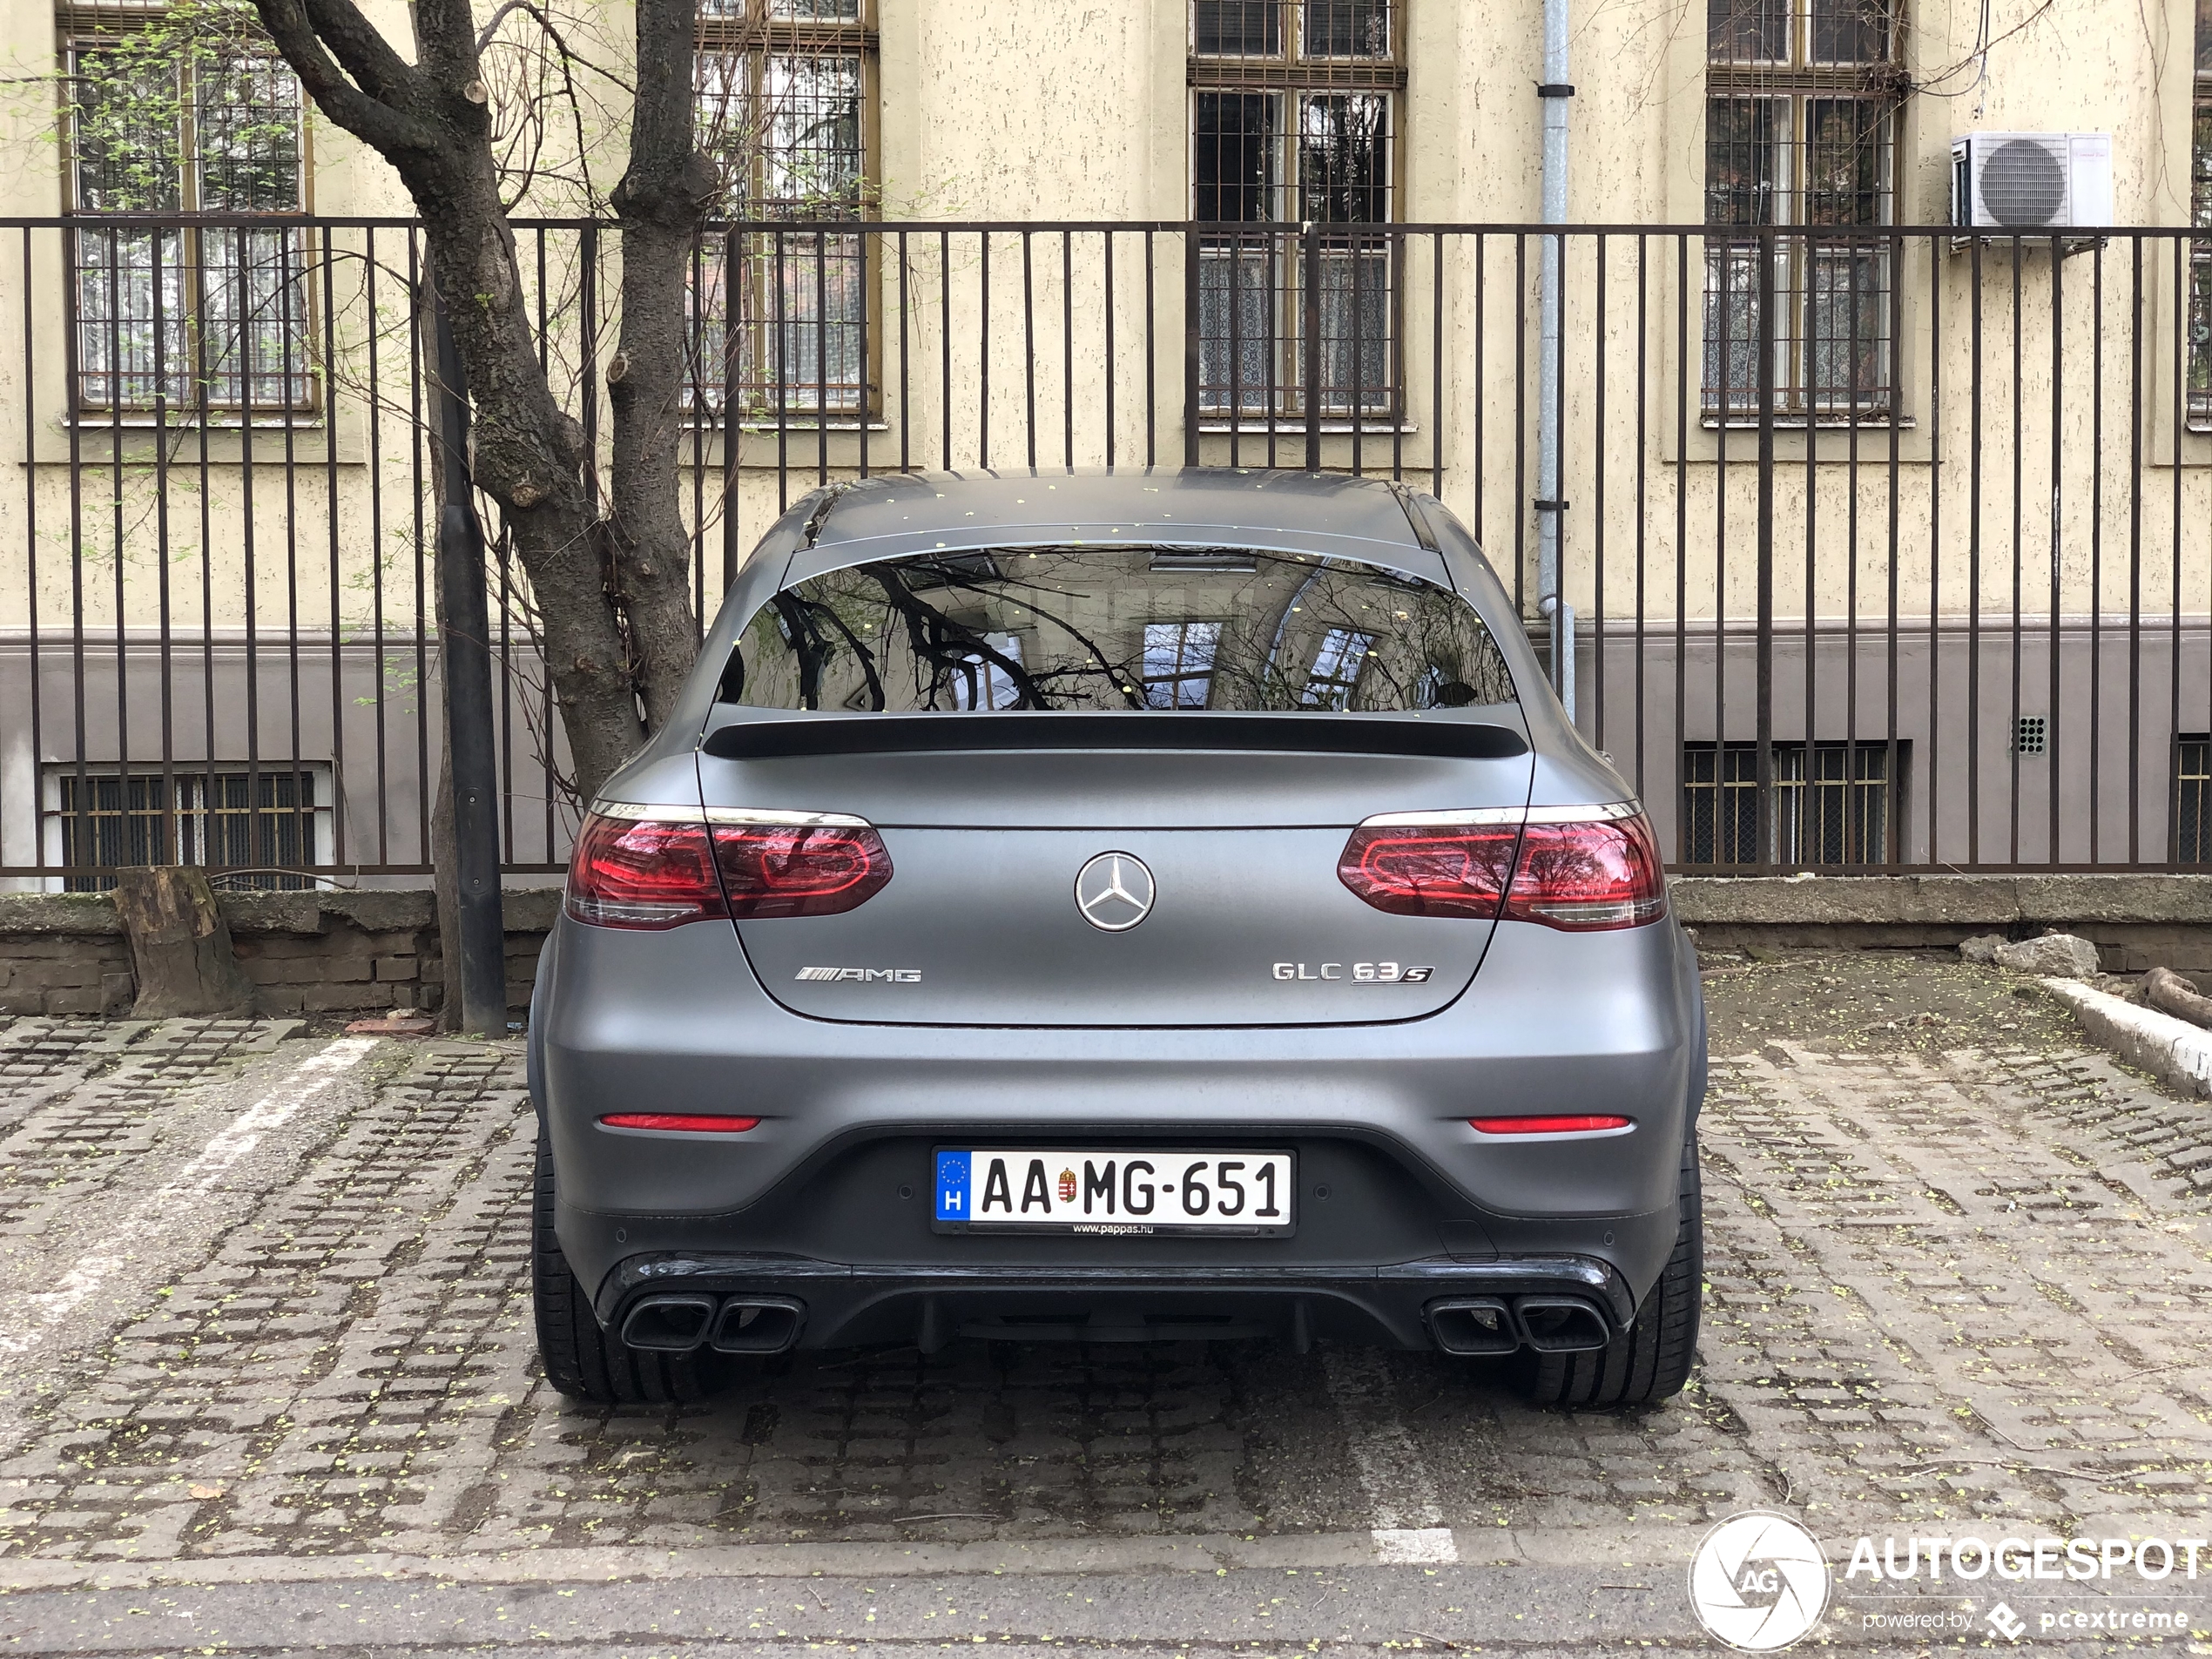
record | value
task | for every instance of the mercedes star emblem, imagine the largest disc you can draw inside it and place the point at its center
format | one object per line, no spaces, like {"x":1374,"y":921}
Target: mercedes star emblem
{"x":1115,"y":892}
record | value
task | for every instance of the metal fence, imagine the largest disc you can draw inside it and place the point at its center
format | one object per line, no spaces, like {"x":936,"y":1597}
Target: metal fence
{"x":1883,"y":550}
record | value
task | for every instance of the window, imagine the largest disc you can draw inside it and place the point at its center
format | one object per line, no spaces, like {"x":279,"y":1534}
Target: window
{"x":1294,"y":106}
{"x":783,"y":89}
{"x":1336,"y":669}
{"x":197,"y":319}
{"x":255,"y":820}
{"x":990,"y":681}
{"x":1800,"y":122}
{"x":2193,"y":800}
{"x":1833,"y":804}
{"x":2199,"y":364}
{"x":1178,"y":663}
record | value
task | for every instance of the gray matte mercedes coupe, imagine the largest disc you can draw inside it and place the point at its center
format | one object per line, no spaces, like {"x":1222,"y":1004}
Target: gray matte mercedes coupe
{"x":1117,"y":906}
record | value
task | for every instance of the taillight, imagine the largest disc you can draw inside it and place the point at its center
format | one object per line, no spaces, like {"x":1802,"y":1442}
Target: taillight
{"x":1415,"y":869}
{"x":1583,"y":869}
{"x":642,"y":872}
{"x":1574,"y":1124}
{"x":1587,"y":875}
{"x":818,"y":869}
{"x":631,"y":871}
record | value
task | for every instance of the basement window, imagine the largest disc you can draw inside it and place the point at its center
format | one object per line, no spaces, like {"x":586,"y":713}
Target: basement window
{"x":2192,"y":798}
{"x":257,"y":825}
{"x":1834,"y":804}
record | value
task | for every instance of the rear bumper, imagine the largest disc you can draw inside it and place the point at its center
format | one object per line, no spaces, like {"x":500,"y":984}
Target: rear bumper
{"x":833,"y":1178}
{"x":843,"y":1305}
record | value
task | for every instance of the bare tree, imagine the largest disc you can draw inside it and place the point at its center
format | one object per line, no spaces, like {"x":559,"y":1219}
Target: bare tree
{"x":612,"y":594}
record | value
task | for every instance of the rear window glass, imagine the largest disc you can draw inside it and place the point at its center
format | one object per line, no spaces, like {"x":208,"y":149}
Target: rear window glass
{"x":1120,"y":628}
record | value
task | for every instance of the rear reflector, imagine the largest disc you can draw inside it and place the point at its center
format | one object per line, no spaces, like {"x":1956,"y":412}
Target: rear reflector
{"x":686,"y":1123}
{"x":1582,"y":874}
{"x":648,"y":872}
{"x":1571,"y":1125}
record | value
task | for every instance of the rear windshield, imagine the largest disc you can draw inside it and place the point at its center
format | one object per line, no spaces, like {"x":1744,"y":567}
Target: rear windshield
{"x":1118,"y":628}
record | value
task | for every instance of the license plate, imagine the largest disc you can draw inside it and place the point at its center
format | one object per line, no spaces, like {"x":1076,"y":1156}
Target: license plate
{"x":1119,"y":1193}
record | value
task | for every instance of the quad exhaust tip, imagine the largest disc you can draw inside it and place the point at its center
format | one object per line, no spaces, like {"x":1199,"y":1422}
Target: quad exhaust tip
{"x":1491,"y":1325}
{"x":684,"y":1321}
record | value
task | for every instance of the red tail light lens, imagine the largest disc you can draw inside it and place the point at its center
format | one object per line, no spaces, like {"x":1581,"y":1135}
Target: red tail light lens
{"x":641,"y":872}
{"x":680,"y":1123}
{"x":800,"y":870}
{"x":1589,"y":1124}
{"x":1589,"y":875}
{"x":1584,"y":875}
{"x":1424,"y":870}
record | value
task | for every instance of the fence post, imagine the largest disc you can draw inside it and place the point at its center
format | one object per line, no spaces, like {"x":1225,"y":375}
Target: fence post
{"x":470,"y":755}
{"x":732,"y":431}
{"x":1312,"y":252}
{"x":1191,"y":326}
{"x":1767,"y":848}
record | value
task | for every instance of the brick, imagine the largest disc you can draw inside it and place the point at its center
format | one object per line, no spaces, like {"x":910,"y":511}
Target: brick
{"x":395,"y":967}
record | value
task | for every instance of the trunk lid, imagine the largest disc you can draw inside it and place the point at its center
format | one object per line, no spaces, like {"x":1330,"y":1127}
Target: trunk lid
{"x":1248,"y":923}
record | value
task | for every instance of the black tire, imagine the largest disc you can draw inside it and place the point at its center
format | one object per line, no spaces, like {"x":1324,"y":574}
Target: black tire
{"x":582,"y":1360}
{"x":1651,"y":1360}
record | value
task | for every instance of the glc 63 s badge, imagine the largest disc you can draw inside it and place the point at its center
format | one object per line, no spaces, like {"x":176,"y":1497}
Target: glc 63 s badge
{"x":1361,"y":972}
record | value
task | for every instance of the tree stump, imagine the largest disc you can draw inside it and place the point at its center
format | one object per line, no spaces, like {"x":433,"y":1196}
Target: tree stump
{"x":180,"y":945}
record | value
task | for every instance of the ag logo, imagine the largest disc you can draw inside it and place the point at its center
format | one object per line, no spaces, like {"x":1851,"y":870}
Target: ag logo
{"x":1759,"y":1582}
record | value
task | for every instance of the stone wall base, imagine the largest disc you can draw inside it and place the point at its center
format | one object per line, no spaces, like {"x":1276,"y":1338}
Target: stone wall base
{"x":2137,"y":922}
{"x":306,"y":953}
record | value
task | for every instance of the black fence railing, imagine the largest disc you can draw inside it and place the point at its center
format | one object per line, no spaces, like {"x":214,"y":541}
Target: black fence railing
{"x":1884,"y":550}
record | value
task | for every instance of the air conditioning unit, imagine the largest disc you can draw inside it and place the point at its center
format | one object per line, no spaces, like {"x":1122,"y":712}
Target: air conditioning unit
{"x":2030,"y":181}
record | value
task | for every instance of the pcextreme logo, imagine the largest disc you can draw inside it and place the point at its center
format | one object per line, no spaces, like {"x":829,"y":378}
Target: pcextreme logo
{"x":1759,"y":1582}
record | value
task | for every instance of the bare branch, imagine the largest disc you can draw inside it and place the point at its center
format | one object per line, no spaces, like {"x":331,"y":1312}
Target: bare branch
{"x":377,"y":124}
{"x":568,"y":54}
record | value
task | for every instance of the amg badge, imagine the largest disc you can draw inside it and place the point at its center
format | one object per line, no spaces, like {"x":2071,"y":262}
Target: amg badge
{"x":864,"y":975}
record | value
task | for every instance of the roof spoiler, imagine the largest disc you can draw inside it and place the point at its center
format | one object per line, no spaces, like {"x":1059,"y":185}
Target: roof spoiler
{"x":1316,"y":733}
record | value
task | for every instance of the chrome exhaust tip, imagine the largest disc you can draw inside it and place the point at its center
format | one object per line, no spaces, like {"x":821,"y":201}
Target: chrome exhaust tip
{"x":1562,"y":1323}
{"x":1473,"y":1324}
{"x":674,"y":1322}
{"x":758,"y":1324}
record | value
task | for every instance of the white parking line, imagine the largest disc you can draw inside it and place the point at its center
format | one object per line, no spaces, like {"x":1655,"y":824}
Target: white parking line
{"x":1401,"y":1498}
{"x":233,"y":1142}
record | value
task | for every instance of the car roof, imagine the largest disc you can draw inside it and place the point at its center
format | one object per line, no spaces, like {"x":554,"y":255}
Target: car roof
{"x":1326,"y":513}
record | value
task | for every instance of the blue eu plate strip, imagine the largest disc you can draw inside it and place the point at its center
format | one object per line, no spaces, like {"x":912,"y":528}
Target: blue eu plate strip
{"x":952,"y":1186}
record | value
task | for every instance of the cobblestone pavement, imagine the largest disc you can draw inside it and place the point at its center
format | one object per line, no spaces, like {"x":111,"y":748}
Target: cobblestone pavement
{"x":263,"y":1296}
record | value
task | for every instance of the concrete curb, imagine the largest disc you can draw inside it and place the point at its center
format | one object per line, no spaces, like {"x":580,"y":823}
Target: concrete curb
{"x":2173,"y":1050}
{"x":1664,"y":1546}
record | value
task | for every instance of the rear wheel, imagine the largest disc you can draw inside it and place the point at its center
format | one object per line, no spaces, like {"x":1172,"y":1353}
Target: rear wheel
{"x":583,"y":1359}
{"x":1650,"y":1361}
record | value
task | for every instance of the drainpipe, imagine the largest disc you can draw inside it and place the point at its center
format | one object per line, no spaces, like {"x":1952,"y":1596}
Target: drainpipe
{"x":1554,"y":90}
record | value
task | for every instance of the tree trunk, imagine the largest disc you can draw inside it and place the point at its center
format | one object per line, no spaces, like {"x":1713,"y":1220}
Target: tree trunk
{"x":662,"y":201}
{"x":528,"y":455}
